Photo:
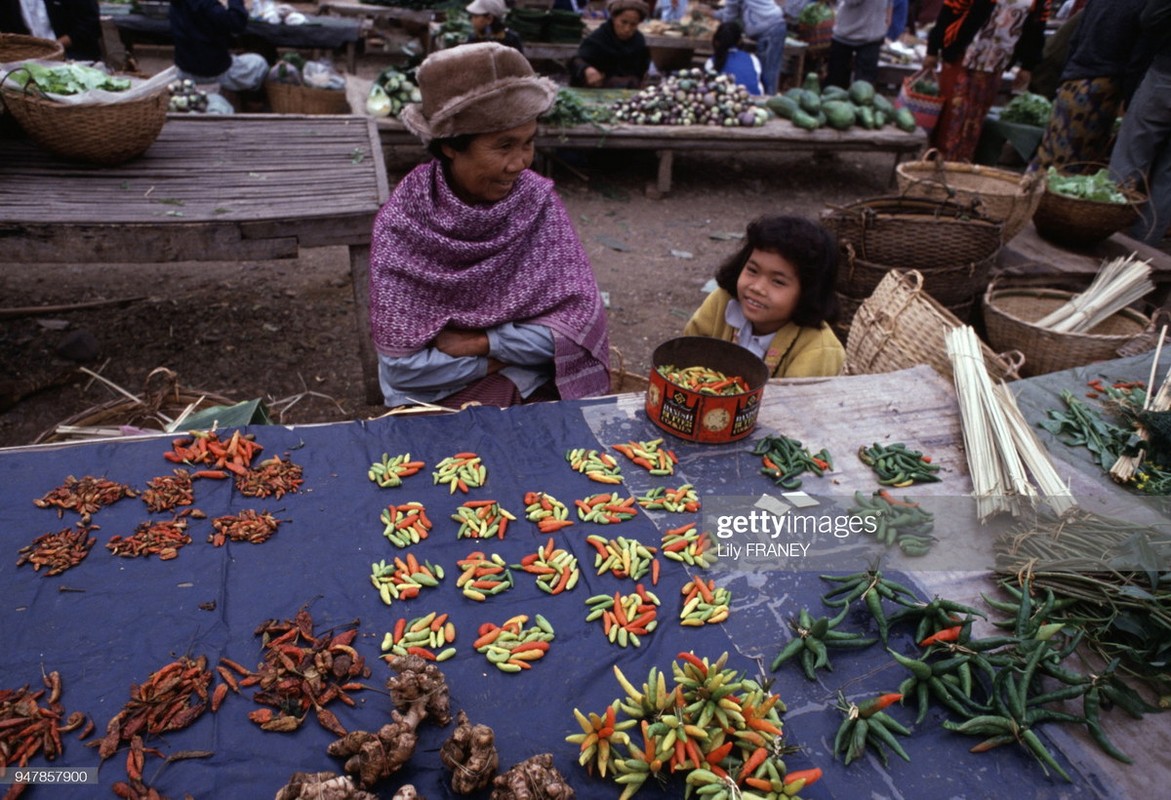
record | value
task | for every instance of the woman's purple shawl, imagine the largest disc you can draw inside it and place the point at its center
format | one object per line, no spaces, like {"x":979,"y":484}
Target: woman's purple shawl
{"x":436,"y":261}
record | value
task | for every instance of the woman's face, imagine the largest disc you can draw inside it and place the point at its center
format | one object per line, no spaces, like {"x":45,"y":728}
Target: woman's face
{"x":481,"y":22}
{"x":768,"y":290}
{"x":488,"y":169}
{"x":626,"y":23}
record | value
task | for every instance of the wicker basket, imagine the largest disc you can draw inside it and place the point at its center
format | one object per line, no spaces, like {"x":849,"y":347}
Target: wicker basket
{"x":162,"y":400}
{"x":105,"y":133}
{"x":621,"y":381}
{"x":18,"y":47}
{"x":957,"y":284}
{"x":1009,"y":315}
{"x":926,"y":108}
{"x":1003,"y":196}
{"x":900,"y":326}
{"x":287,"y":98}
{"x":914,"y":232}
{"x":1074,"y":222}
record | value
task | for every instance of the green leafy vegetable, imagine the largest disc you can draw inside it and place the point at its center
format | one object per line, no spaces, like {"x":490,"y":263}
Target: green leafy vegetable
{"x":814,"y":13}
{"x":69,"y":79}
{"x":1028,"y":109}
{"x":1099,"y":187}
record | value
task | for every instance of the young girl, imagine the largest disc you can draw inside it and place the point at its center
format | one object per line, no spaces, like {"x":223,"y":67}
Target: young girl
{"x":776,"y":298}
{"x":727,"y":57}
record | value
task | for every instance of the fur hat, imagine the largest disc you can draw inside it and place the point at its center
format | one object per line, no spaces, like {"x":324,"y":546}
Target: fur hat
{"x":616,"y":7}
{"x":476,"y":88}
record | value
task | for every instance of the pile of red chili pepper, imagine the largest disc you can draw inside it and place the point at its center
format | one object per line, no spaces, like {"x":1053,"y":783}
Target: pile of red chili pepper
{"x":247,"y":526}
{"x":172,"y":698}
{"x":59,"y":550}
{"x":84,"y":495}
{"x":273,"y":477}
{"x":206,"y":449}
{"x":166,"y":492}
{"x":300,"y":671}
{"x":161,"y":538}
{"x":28,"y":728}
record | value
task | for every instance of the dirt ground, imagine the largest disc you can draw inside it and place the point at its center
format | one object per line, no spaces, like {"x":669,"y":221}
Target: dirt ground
{"x":284,"y":331}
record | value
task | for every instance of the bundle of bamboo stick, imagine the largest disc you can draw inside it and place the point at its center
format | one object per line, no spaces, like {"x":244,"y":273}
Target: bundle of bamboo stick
{"x":1119,"y":283}
{"x":1003,"y":453}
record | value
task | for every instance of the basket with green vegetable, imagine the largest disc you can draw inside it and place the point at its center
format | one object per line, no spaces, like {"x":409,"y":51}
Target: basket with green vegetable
{"x":108,"y":130}
{"x":815,"y":26}
{"x":1082,"y":210}
{"x":920,"y":95}
{"x":18,"y":47}
{"x":1002,"y":195}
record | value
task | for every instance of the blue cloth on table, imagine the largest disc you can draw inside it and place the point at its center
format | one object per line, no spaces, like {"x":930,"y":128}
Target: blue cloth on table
{"x":121,"y":619}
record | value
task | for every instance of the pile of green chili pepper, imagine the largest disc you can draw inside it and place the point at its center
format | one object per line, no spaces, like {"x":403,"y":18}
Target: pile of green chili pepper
{"x":784,"y":460}
{"x":897,"y":465}
{"x":900,"y":522}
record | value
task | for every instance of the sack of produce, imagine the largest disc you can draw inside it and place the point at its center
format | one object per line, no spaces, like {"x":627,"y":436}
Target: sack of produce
{"x":815,"y":25}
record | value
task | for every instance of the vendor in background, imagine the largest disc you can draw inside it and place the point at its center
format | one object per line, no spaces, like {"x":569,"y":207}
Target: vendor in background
{"x":1100,"y":73}
{"x":1142,"y":154}
{"x":73,"y":23}
{"x":764,"y":22}
{"x":480,"y":290}
{"x":671,"y":10}
{"x":728,"y":58}
{"x":776,"y":298}
{"x":860,"y":26}
{"x":976,"y":41}
{"x":898,"y":30}
{"x":487,"y":18}
{"x":203,"y":31}
{"x":615,"y":56}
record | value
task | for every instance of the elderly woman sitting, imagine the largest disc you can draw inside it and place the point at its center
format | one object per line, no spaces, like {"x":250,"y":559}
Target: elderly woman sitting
{"x":480,"y":289}
{"x":616,"y":55}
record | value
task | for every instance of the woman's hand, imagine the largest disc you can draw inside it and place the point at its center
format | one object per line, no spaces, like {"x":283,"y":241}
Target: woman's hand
{"x":459,"y":343}
{"x":1021,"y":82}
{"x":593,"y":78}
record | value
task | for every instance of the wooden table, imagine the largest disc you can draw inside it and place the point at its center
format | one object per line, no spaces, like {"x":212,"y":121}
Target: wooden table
{"x":318,"y":33}
{"x":666,"y":140}
{"x":211,"y":188}
{"x":369,"y":14}
{"x":1030,"y":260}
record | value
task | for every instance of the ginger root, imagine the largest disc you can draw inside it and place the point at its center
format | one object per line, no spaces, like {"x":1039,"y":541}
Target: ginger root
{"x":322,"y":786}
{"x":419,"y":692}
{"x":535,"y":778}
{"x":470,"y":753}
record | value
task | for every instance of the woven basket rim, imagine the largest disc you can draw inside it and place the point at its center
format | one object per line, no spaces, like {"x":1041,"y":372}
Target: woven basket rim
{"x":992,"y":293}
{"x":51,"y":47}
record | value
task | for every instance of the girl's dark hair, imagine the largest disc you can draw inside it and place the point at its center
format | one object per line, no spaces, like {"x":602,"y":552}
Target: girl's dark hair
{"x":727,"y":36}
{"x":805,"y":244}
{"x":459,"y":143}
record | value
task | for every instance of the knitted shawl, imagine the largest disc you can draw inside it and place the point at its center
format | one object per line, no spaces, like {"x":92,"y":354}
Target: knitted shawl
{"x":436,"y":261}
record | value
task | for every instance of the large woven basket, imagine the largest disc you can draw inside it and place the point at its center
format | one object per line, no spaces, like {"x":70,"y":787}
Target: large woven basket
{"x":18,"y":47}
{"x":950,"y":285}
{"x":1001,"y":195}
{"x":1074,"y":222}
{"x":1009,"y":315}
{"x":287,"y":98}
{"x":900,"y":326}
{"x":914,"y":232}
{"x":99,"y":133}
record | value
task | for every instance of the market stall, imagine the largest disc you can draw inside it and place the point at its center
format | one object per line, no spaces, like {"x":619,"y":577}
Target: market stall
{"x":316,"y":34}
{"x":107,"y":623}
{"x":667,"y":140}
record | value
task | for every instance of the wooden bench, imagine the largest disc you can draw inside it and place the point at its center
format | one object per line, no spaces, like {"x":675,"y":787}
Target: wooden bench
{"x":211,"y":188}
